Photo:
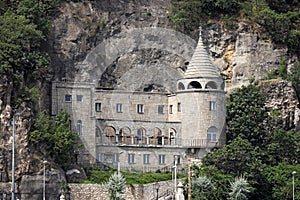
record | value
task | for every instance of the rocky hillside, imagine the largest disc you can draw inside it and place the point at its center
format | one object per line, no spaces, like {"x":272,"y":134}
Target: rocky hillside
{"x":113,"y":42}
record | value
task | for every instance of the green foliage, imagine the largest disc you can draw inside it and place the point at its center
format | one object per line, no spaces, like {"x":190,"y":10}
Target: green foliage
{"x":282,"y":146}
{"x":219,"y":179}
{"x":294,"y":77}
{"x":116,"y":187}
{"x":254,"y":149}
{"x":54,"y":140}
{"x":280,"y":178}
{"x":37,"y":12}
{"x":101,"y":176}
{"x":239,"y":189}
{"x":278,"y":18}
{"x":202,"y":188}
{"x":246,"y":115}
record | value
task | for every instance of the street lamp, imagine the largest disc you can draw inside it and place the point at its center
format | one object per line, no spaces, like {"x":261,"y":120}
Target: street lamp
{"x":175,"y":176}
{"x":293,"y":176}
{"x":156,"y":187}
{"x":119,"y":166}
{"x":44,"y":180}
{"x":13,"y":161}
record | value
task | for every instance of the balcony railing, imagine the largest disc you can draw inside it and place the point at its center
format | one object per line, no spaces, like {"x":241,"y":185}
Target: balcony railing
{"x":196,"y":143}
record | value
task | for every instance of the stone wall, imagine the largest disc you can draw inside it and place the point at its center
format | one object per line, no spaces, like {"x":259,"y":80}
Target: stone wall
{"x":135,"y":192}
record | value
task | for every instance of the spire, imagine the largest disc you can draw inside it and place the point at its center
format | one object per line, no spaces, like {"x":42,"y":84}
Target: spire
{"x":200,"y":64}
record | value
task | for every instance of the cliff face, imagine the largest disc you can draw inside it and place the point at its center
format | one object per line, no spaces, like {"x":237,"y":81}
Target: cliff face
{"x":79,"y":30}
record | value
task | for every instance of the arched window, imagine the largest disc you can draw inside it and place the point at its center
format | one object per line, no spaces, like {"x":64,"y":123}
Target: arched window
{"x":110,"y":134}
{"x":211,"y":85}
{"x":126,"y":137}
{"x":120,"y":136}
{"x":79,"y":127}
{"x":141,"y":136}
{"x":194,"y":85}
{"x":180,"y":86}
{"x":212,"y":134}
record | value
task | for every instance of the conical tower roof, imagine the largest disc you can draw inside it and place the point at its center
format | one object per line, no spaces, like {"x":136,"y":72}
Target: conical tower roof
{"x":200,"y":64}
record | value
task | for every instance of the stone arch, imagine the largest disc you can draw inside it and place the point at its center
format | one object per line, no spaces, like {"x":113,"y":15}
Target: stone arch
{"x":212,"y":134}
{"x":180,"y":86}
{"x":125,"y":135}
{"x":171,"y":136}
{"x":140,"y":136}
{"x":211,"y":85}
{"x":154,"y":135}
{"x":194,"y":85}
{"x":110,"y":134}
{"x":98,"y":135}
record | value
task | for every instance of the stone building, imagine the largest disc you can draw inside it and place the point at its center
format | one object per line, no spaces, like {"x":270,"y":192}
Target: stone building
{"x":147,"y":131}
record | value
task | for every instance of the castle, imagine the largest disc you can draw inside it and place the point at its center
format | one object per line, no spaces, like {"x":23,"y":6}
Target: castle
{"x":147,"y":131}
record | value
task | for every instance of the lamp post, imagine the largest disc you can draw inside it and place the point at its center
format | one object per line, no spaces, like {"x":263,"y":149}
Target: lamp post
{"x":44,"y":179}
{"x":13,"y":161}
{"x":175,"y":176}
{"x":156,"y":187}
{"x":119,"y":165}
{"x":293,"y":177}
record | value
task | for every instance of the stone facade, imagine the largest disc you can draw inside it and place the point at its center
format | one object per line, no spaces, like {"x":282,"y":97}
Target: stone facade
{"x":147,"y":130}
{"x":133,"y":192}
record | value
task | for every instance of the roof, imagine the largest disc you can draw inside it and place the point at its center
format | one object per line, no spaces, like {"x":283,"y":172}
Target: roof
{"x":200,"y":64}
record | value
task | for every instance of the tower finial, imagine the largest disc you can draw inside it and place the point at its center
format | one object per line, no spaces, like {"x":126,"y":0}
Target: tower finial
{"x":200,"y":31}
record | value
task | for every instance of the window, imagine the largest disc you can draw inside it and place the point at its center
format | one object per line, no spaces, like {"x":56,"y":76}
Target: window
{"x":98,"y":107}
{"x":212,"y":105}
{"x":79,"y":127}
{"x":140,"y":136}
{"x":79,"y":98}
{"x":179,"y":107}
{"x":131,"y":158}
{"x":160,"y":109}
{"x":119,"y":107}
{"x":171,"y":109}
{"x":140,"y":108}
{"x":146,"y":158}
{"x":68,"y":98}
{"x":100,"y":157}
{"x":161,"y":159}
{"x":212,"y":134}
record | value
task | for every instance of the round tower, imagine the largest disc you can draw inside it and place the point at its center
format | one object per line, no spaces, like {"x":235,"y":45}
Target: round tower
{"x":202,"y":98}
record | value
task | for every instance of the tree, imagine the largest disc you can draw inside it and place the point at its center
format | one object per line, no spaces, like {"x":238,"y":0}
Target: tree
{"x":54,"y":139}
{"x":280,"y":178}
{"x":202,"y":187}
{"x":116,"y":187}
{"x":246,"y":116}
{"x":239,"y":189}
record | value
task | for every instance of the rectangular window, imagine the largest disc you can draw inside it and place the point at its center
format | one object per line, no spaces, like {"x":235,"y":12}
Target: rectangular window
{"x":146,"y":158}
{"x":100,"y":157}
{"x":171,"y":109}
{"x":212,"y":137}
{"x":161,"y":159}
{"x":179,"y":107}
{"x":140,"y":108}
{"x":160,"y":109}
{"x":119,"y":107}
{"x":98,"y":107}
{"x":131,"y":158}
{"x":68,"y":98}
{"x":79,"y":98}
{"x":212,"y":105}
